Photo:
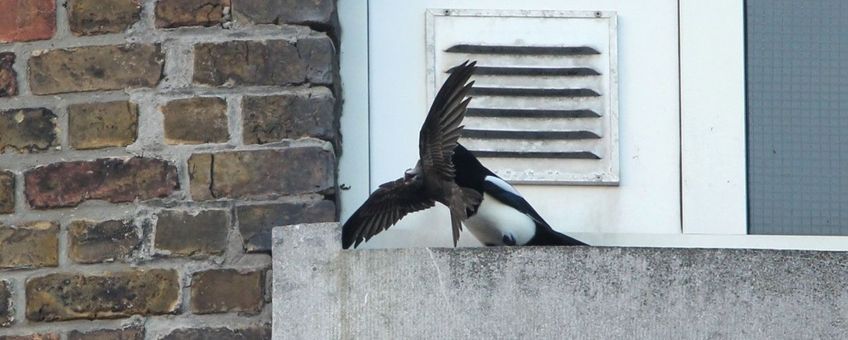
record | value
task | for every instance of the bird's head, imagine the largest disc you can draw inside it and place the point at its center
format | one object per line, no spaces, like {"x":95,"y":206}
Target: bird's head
{"x":412,"y":174}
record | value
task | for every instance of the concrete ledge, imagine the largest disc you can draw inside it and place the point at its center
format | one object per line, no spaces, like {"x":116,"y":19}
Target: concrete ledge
{"x":323,"y":292}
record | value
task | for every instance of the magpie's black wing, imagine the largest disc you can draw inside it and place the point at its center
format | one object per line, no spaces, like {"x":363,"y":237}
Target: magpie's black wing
{"x":442,"y":128}
{"x":505,"y":193}
{"x":387,"y":205}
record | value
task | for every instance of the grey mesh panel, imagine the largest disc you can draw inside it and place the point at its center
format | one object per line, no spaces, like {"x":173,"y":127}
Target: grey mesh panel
{"x":797,"y":93}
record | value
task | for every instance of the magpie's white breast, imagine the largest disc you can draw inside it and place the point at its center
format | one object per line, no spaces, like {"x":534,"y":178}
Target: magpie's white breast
{"x":494,"y":219}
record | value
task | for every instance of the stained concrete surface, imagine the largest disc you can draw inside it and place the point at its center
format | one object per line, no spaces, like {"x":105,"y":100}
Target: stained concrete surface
{"x":321,"y":291}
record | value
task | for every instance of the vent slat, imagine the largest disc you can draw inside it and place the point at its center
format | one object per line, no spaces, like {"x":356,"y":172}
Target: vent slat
{"x":534,"y":71}
{"x":530,"y":113}
{"x":537,"y":135}
{"x":535,"y":154}
{"x":545,"y":110}
{"x":523,"y":50}
{"x":532,"y":92}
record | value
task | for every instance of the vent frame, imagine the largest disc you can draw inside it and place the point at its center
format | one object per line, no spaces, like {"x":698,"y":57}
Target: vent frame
{"x":602,"y":167}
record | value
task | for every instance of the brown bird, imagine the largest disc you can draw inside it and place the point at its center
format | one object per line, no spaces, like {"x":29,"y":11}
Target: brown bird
{"x":432,"y":178}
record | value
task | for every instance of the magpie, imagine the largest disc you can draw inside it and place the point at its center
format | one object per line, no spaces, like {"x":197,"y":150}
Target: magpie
{"x":432,"y":178}
{"x":503,"y":216}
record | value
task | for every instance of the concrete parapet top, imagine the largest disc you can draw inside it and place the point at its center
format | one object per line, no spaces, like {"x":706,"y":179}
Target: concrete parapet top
{"x":321,"y":291}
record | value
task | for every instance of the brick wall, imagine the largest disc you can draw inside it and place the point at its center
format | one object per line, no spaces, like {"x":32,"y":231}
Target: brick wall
{"x":146,"y":149}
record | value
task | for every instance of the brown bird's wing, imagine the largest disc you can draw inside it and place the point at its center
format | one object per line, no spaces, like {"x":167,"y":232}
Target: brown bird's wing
{"x":442,"y":128}
{"x":387,"y":205}
{"x":439,"y":137}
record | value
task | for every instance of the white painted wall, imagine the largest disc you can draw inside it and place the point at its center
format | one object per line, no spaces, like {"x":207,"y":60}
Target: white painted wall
{"x":648,"y":198}
{"x":384,"y":79}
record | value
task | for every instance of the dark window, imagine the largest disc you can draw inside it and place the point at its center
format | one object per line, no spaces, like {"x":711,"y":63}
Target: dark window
{"x":797,"y":116}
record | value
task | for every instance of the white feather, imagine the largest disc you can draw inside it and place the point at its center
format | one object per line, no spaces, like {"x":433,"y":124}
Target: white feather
{"x":502,"y":184}
{"x":494,"y":219}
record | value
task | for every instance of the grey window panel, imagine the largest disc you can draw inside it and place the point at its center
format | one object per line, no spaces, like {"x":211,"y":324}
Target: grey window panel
{"x":797,"y":97}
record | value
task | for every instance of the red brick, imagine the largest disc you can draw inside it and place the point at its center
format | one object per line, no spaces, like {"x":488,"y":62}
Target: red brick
{"x":68,"y":184}
{"x":261,"y":174}
{"x":8,"y":76}
{"x":72,"y":296}
{"x":27,"y":20}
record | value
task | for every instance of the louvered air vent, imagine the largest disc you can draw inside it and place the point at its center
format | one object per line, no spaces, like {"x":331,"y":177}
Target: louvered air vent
{"x":545,"y":99}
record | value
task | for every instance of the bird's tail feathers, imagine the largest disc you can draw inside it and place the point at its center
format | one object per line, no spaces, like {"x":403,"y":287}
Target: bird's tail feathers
{"x":456,"y":223}
{"x":561,"y":239}
{"x":462,"y":202}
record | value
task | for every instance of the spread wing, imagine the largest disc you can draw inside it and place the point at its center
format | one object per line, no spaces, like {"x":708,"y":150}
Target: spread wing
{"x":387,"y":205}
{"x":441,"y":129}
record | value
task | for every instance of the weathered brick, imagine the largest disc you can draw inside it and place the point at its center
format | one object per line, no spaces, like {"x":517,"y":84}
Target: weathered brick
{"x":196,"y":121}
{"x":44,"y":336}
{"x":8,"y":76}
{"x":27,"y":130}
{"x":318,"y":52}
{"x":30,"y":245}
{"x":184,"y":233}
{"x":7,"y":192}
{"x":96,"y":68}
{"x":68,"y":296}
{"x":67,"y":184}
{"x":7,"y":314}
{"x":285,"y":11}
{"x":272,"y":118}
{"x":177,"y":13}
{"x":27,"y":20}
{"x":227,"y":290}
{"x":261,"y":173}
{"x":107,"y":241}
{"x":101,"y":125}
{"x":272,"y":62}
{"x":91,"y":17}
{"x":131,"y":333}
{"x":256,"y":221}
{"x":251,"y":333}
